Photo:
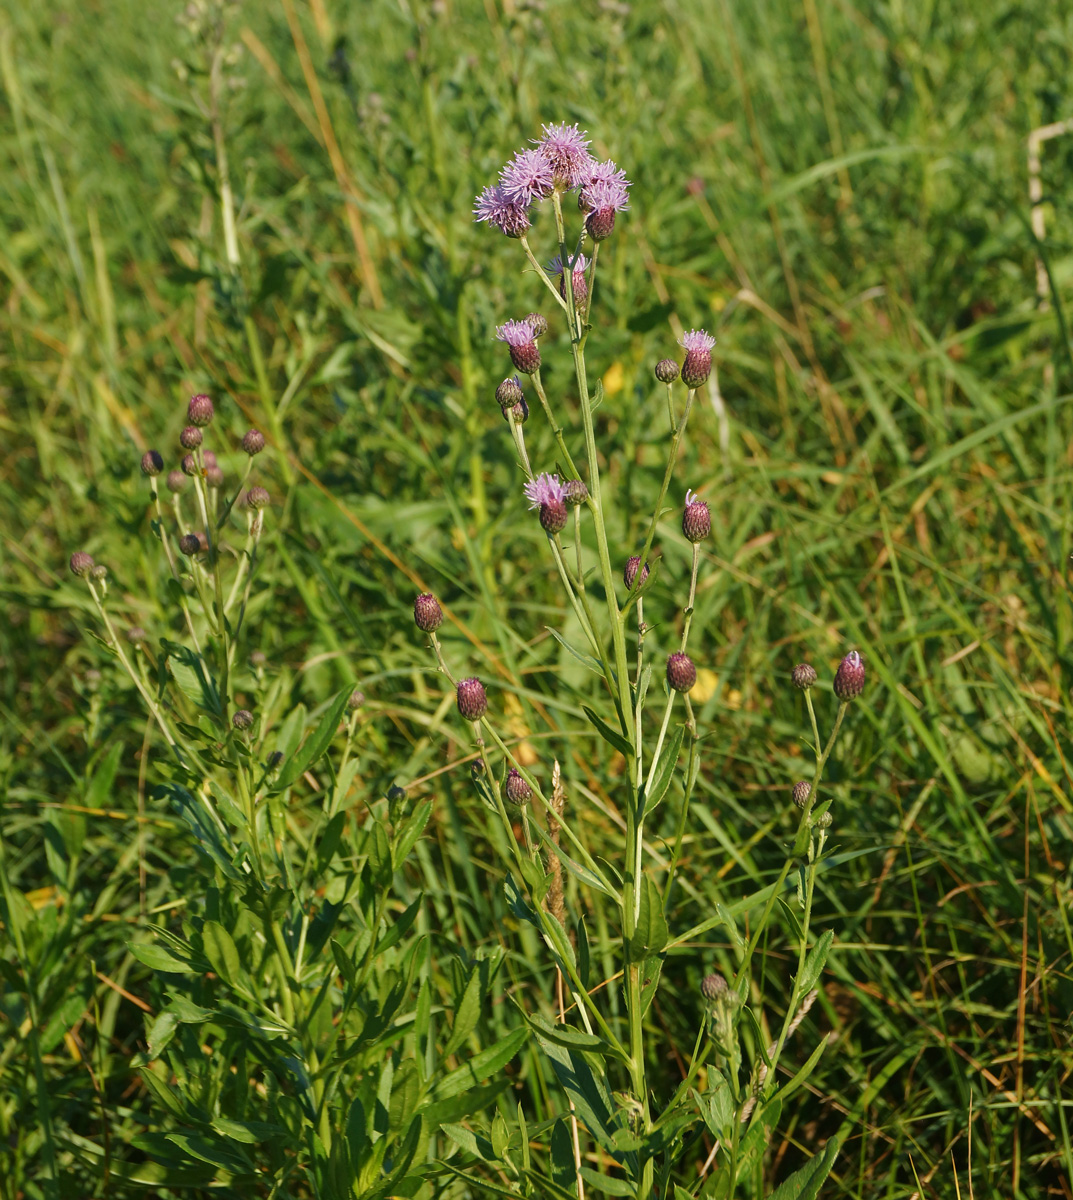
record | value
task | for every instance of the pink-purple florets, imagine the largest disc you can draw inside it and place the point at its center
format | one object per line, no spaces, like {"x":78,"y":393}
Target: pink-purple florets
{"x":508,"y":216}
{"x":527,"y":177}
{"x":516,"y":333}
{"x":566,"y":149}
{"x":606,"y":187}
{"x":696,"y":339}
{"x":544,"y":489}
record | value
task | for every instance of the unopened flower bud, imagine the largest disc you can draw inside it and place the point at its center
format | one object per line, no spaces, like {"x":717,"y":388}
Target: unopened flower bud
{"x":666,"y":370}
{"x":395,"y":794}
{"x":258,"y":659}
{"x":243,"y":719}
{"x":190,"y":544}
{"x":600,"y":223}
{"x":214,"y":476}
{"x":428,"y":616}
{"x":803,"y":676}
{"x":575,"y":492}
{"x":509,"y":393}
{"x":825,"y":820}
{"x":696,"y":519}
{"x":713,"y":986}
{"x":189,"y":465}
{"x":629,"y":574}
{"x":136,"y":635}
{"x":516,"y":789}
{"x":257,"y":498}
{"x":253,"y":442}
{"x":553,"y":516}
{"x":190,"y":438}
{"x":519,"y":414}
{"x":208,"y":460}
{"x":802,"y":791}
{"x":357,"y":699}
{"x":175,"y":482}
{"x":81,"y":563}
{"x":539,"y":323}
{"x":849,"y":678}
{"x":472,"y":699}
{"x":98,"y":572}
{"x":681,"y":673}
{"x":200,"y":411}
{"x":477,"y":768}
{"x":152,"y":463}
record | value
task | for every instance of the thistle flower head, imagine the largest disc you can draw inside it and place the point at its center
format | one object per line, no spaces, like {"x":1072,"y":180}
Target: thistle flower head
{"x":539,"y":323}
{"x":553,"y":516}
{"x":849,"y":678}
{"x":428,"y":616}
{"x":176,"y":481}
{"x":190,"y":544}
{"x":527,"y":177}
{"x":801,"y":792}
{"x":516,"y":789}
{"x":81,"y":563}
{"x":257,"y":498}
{"x":189,"y":465}
{"x":519,"y":413}
{"x":681,"y":673}
{"x":555,"y":267}
{"x":152,"y":463}
{"x":606,"y":186}
{"x":566,"y":149}
{"x":208,"y":459}
{"x":253,"y":442}
{"x":471,"y":698}
{"x":579,"y":284}
{"x":520,"y":337}
{"x":666,"y":370}
{"x":713,"y":986}
{"x":200,"y":411}
{"x":629,"y":573}
{"x":575,"y":492}
{"x":496,"y":208}
{"x":697,"y":344}
{"x":696,"y":518}
{"x":545,"y":489}
{"x":509,"y":392}
{"x":190,"y":438}
{"x":357,"y":699}
{"x":803,"y":676}
{"x":243,"y":719}
{"x":137,"y":636}
{"x":215,"y":476}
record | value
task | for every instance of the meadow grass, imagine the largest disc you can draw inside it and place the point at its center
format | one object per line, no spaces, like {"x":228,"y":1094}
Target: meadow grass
{"x":839,"y":192}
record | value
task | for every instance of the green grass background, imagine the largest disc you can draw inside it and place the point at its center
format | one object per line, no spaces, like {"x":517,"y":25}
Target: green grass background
{"x":839,"y":192}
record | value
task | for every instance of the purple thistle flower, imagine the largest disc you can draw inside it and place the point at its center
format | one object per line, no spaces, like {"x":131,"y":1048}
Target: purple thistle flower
{"x":580,"y":284}
{"x":697,"y":344}
{"x":606,"y":187}
{"x":520,"y":336}
{"x":545,"y":489}
{"x":566,"y":149}
{"x":696,"y":518}
{"x":527,"y":177}
{"x":508,"y":216}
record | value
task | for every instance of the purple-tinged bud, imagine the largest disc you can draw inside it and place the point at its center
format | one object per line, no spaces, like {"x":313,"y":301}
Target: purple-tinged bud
{"x":681,"y":673}
{"x":478,"y":768}
{"x":203,"y":541}
{"x":81,"y":563}
{"x":214,"y":476}
{"x":849,"y":678}
{"x":190,"y":544}
{"x":580,"y":285}
{"x":516,"y":789}
{"x":258,"y":498}
{"x":600,"y":223}
{"x":189,"y":465}
{"x":428,"y":615}
{"x":521,"y":341}
{"x":802,"y":791}
{"x":697,"y":344}
{"x":539,"y":322}
{"x":713,"y":986}
{"x":575,"y":492}
{"x":696,"y":519}
{"x":190,"y":438}
{"x":519,"y":414}
{"x":472,"y":699}
{"x":98,"y":572}
{"x":200,"y":411}
{"x":629,"y":574}
{"x":803,"y":676}
{"x":509,"y":393}
{"x":553,"y":516}
{"x":666,"y":370}
{"x":175,"y":482}
{"x":208,"y":459}
{"x":396,"y":794}
{"x":152,"y":463}
{"x":243,"y":719}
{"x":357,"y":699}
{"x":253,"y":442}
{"x":137,"y":636}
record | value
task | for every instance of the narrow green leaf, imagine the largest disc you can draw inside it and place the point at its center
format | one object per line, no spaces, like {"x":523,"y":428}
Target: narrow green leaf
{"x":480,"y":1066}
{"x":410,"y":832}
{"x":617,"y":740}
{"x":660,"y":779}
{"x":805,"y":1182}
{"x":467,"y":1014}
{"x":316,"y":744}
{"x":221,"y":951}
{"x":586,"y":660}
{"x":158,"y":959}
{"x":814,"y":964}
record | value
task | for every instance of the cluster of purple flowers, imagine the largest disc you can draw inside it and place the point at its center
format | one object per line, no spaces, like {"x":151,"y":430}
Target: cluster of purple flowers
{"x":561,"y":162}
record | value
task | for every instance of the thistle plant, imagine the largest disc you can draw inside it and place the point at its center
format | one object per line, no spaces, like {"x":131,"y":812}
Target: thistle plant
{"x":619,"y":1132}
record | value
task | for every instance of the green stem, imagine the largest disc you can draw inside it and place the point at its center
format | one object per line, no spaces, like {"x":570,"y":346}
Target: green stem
{"x":556,"y":428}
{"x":166,"y":543}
